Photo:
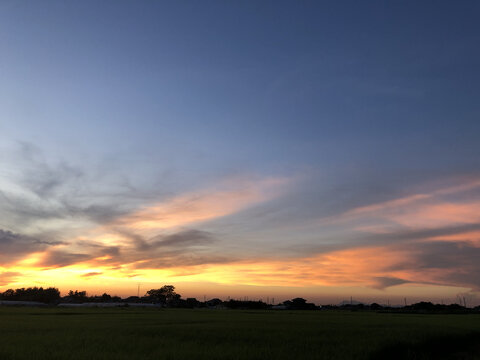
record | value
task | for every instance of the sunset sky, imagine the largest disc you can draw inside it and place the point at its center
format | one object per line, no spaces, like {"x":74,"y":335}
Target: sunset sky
{"x":275,"y":149}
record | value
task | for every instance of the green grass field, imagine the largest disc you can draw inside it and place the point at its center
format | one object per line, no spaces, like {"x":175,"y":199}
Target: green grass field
{"x":50,"y":333}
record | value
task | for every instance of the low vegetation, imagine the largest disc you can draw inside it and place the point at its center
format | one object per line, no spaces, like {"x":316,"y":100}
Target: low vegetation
{"x":133,"y":333}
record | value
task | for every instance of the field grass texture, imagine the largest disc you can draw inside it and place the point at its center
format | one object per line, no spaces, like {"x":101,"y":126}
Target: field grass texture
{"x":126,"y":333}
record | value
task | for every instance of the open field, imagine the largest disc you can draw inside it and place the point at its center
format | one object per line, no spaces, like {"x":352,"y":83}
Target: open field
{"x":51,"y":333}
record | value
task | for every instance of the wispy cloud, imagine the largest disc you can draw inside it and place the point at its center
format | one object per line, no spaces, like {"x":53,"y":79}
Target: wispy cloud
{"x":8,"y":277}
{"x":55,"y":219}
{"x":60,"y":258}
{"x":431,"y":209}
{"x":224,"y":199}
{"x":91,"y":274}
{"x":14,"y":246}
{"x":71,"y":225}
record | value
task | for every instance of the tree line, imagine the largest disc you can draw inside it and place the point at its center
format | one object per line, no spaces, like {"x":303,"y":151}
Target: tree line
{"x":166,"y":296}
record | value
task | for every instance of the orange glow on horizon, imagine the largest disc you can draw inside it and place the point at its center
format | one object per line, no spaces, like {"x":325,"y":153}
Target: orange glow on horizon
{"x":107,"y":257}
{"x":354,"y":267}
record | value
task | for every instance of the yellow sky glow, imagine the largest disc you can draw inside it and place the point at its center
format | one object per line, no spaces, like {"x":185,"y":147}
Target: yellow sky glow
{"x":361,"y":269}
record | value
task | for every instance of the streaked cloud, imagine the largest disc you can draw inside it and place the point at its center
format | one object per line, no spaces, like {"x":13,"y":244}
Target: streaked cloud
{"x":8,"y":277}
{"x":14,"y":246}
{"x":242,"y":230}
{"x":91,"y":274}
{"x":224,"y":199}
{"x":437,"y":208}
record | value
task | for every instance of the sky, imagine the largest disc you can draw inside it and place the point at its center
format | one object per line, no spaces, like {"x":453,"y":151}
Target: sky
{"x":280,"y":149}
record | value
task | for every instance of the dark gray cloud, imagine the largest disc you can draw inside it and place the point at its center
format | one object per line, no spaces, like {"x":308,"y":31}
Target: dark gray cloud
{"x":64,"y":194}
{"x":55,"y":258}
{"x":459,"y":262}
{"x":43,"y":179}
{"x":454,"y":263}
{"x":305,"y":219}
{"x":91,"y":274}
{"x":438,"y":262}
{"x":183,"y":248}
{"x":321,"y":195}
{"x":418,"y":234}
{"x":382,"y":282}
{"x":182,"y":239}
{"x":360,"y":239}
{"x":138,"y":241}
{"x":14,"y":245}
{"x":177,"y":259}
{"x":99,"y":249}
{"x":44,"y":190}
{"x":97,"y":213}
{"x":186,"y":247}
{"x":61,"y":258}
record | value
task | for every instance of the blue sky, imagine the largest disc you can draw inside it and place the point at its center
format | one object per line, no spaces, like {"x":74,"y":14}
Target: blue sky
{"x":316,"y":108}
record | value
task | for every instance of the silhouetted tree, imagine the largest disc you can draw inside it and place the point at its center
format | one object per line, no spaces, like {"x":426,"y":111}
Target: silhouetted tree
{"x":8,"y":294}
{"x":213,"y":302}
{"x":192,"y":303}
{"x":299,"y":304}
{"x":38,"y":294}
{"x":423,"y":305}
{"x":77,"y":296}
{"x":106,"y":297}
{"x":239,"y":304}
{"x":165,"y":295}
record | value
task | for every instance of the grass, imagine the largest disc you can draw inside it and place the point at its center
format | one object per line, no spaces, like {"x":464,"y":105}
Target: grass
{"x":126,"y":333}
